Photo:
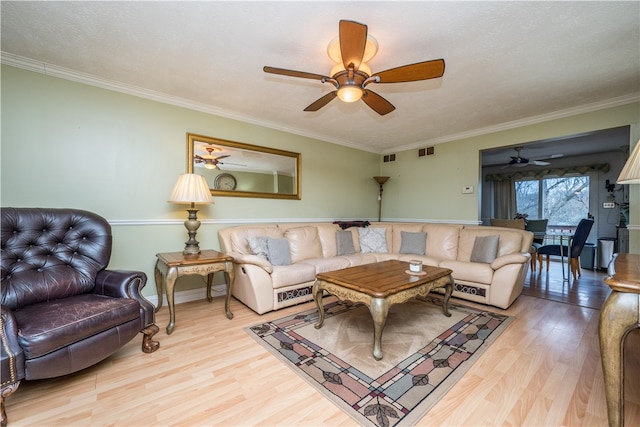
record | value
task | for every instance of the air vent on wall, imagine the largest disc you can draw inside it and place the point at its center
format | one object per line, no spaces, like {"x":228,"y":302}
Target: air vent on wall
{"x":389,"y":158}
{"x":426,"y":151}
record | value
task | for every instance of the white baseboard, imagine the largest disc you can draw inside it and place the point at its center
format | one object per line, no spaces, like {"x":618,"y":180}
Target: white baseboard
{"x":190,"y":295}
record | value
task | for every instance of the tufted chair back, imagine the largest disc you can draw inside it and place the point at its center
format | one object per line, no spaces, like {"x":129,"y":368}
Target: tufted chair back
{"x":50,"y":253}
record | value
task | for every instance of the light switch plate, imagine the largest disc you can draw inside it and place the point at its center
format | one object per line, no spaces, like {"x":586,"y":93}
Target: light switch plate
{"x":467,"y":189}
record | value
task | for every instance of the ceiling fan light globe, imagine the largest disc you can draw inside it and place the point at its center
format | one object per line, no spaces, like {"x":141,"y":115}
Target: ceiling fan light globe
{"x":210,"y":165}
{"x":336,"y":69}
{"x":350,"y":93}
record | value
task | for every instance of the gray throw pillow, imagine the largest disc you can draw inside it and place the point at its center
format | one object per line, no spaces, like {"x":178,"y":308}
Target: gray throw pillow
{"x":344,"y":243}
{"x":485,"y":249}
{"x":413,"y":242}
{"x":258,"y":246}
{"x":278,"y":251}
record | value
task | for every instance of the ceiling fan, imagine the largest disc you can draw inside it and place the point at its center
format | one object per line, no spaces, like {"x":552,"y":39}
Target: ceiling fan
{"x":351,"y":75}
{"x":519,"y":161}
{"x":210,"y":161}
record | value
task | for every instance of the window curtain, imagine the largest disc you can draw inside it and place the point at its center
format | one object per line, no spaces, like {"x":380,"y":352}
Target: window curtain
{"x":504,"y":199}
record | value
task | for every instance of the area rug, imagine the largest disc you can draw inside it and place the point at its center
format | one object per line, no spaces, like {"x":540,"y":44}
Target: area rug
{"x":424,"y":354}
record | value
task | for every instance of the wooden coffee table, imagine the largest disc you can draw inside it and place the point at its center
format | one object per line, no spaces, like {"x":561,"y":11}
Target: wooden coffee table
{"x":379,"y":286}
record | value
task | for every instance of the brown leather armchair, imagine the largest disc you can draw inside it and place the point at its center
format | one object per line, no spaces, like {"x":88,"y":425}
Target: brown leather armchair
{"x":62,"y":310}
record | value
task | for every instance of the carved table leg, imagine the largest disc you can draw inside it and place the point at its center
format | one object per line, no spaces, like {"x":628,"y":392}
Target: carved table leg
{"x":229,"y":277}
{"x":148,"y":345}
{"x":619,"y":315}
{"x":159,"y":278}
{"x":448,"y":290}
{"x":170,"y":284}
{"x":317,"y":296}
{"x":209,"y":286}
{"x":379,"y":309}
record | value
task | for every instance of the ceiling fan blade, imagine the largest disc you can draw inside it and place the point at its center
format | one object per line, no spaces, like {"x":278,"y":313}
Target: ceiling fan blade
{"x":412,"y":72}
{"x":221,"y":157}
{"x":293,"y":73}
{"x":377,"y":103}
{"x":353,"y":38}
{"x":321,"y":102}
{"x":539,"y":163}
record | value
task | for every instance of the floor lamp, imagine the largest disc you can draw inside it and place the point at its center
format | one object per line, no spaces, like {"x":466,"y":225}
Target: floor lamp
{"x":380,"y":180}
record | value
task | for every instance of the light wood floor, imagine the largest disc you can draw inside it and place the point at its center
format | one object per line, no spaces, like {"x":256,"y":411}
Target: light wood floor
{"x":544,"y":370}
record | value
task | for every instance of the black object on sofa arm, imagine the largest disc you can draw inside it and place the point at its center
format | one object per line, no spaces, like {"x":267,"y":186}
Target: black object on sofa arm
{"x":70,"y":311}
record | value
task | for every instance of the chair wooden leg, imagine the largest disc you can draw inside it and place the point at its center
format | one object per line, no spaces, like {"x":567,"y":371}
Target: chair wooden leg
{"x":547,"y":263}
{"x":533,"y":262}
{"x":540,"y":263}
{"x":575,"y":268}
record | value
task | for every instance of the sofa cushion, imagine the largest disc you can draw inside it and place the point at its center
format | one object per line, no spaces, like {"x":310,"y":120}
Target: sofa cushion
{"x":475,"y":272}
{"x":238,"y":239}
{"x":294,"y":274}
{"x":344,"y":243}
{"x":373,"y":239}
{"x":485,"y":249}
{"x":327,"y":236}
{"x":49,"y":326}
{"x":278,"y":251}
{"x":413,"y":243}
{"x":443,"y":240}
{"x":303,"y":243}
{"x":322,"y":265}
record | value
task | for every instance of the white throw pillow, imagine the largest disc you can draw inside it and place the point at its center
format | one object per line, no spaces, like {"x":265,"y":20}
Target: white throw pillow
{"x":373,"y":239}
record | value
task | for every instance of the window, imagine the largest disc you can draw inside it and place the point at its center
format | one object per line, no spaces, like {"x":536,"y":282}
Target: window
{"x":563,"y":201}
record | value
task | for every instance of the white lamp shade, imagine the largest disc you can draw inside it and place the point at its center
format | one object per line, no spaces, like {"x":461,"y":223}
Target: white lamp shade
{"x":631,"y":171}
{"x":191,"y":188}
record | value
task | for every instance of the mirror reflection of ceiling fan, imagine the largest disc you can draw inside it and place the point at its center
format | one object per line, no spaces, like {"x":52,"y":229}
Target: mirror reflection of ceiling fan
{"x":519,"y":162}
{"x":351,"y":51}
{"x":210,"y":161}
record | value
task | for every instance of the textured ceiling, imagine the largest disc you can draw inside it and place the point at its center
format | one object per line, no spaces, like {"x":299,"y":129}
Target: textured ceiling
{"x":506,"y":62}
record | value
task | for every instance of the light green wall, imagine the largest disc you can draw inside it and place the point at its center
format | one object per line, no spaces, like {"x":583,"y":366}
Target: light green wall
{"x":430,"y":187}
{"x":66,"y":144}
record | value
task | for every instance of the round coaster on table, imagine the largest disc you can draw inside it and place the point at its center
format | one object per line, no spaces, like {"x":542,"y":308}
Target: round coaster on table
{"x":422,"y":273}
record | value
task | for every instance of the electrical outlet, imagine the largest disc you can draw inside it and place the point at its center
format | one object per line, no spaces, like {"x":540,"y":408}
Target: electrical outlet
{"x":467,"y":189}
{"x":608,"y":205}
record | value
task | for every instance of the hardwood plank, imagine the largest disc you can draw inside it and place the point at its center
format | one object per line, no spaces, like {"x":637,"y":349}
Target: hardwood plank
{"x":543,"y":370}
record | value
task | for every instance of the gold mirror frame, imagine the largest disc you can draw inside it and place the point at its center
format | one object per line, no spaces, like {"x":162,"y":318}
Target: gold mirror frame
{"x":258,"y":171}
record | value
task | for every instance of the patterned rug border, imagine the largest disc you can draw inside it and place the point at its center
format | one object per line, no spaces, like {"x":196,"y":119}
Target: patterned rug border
{"x":438,"y":354}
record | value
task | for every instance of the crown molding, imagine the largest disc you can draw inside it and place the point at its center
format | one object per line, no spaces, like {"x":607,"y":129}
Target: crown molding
{"x":91,"y":80}
{"x":569,"y":112}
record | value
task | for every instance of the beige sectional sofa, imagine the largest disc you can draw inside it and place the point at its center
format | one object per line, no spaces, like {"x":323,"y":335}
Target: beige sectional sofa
{"x":489,"y":264}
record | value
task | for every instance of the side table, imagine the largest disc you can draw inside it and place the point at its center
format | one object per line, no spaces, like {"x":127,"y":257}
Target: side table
{"x":619,"y":315}
{"x":171,"y":265}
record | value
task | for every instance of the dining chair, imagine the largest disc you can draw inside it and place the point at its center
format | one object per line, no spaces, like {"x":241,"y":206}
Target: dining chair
{"x":538,"y":227}
{"x":576,"y":243}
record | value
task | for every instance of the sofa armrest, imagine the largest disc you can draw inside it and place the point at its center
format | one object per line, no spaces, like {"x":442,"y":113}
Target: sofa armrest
{"x":11,"y":354}
{"x":239,"y":258}
{"x":509,"y":259}
{"x":126,"y":284}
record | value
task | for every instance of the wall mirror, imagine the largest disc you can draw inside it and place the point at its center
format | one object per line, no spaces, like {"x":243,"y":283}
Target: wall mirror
{"x":244,"y":170}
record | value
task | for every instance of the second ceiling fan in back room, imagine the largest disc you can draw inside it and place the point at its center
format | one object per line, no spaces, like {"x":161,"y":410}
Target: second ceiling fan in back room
{"x":351,"y":74}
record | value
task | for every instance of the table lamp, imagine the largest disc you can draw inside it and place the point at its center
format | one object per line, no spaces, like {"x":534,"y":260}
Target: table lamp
{"x":191,"y":188}
{"x":631,"y":171}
